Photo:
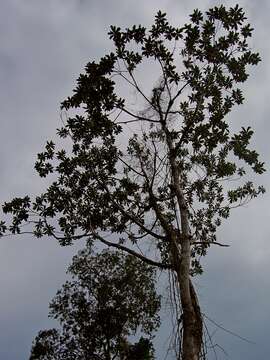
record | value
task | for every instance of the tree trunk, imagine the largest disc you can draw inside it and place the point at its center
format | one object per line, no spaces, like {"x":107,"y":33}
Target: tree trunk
{"x":192,"y":328}
{"x":181,"y":251}
{"x":192,"y":340}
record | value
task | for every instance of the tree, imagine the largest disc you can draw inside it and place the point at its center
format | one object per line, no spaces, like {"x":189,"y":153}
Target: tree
{"x":111,"y":296}
{"x":155,"y":174}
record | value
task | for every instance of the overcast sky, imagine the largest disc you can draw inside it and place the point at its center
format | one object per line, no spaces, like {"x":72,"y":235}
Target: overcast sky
{"x":44,"y":46}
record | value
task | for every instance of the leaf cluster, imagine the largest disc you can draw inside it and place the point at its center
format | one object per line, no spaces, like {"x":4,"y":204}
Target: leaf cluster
{"x":111,"y":297}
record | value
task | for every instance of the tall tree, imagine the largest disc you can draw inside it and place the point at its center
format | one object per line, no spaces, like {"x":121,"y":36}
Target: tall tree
{"x":111,"y":297}
{"x":154,"y":173}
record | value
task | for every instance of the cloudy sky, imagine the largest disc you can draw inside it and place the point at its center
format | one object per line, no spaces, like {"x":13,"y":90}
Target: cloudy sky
{"x":44,"y":46}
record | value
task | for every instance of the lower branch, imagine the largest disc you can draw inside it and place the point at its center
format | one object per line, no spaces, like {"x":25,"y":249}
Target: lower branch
{"x":132,"y":252}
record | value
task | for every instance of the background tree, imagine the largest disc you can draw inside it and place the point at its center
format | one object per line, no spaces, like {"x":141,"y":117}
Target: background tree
{"x":111,"y":297}
{"x":164,"y":186}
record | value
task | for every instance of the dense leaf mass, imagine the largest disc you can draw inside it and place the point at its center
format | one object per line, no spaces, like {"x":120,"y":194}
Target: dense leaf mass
{"x":110,"y":297}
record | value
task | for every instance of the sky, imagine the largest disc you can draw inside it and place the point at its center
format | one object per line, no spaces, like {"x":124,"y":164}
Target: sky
{"x":44,"y":47}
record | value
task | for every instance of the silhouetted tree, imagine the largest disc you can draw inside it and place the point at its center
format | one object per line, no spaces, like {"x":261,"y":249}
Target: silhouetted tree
{"x":111,"y":297}
{"x":153,"y":173}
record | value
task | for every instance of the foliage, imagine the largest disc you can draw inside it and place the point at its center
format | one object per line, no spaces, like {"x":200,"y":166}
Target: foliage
{"x":154,"y":175}
{"x":111,"y":297}
{"x":100,"y":187}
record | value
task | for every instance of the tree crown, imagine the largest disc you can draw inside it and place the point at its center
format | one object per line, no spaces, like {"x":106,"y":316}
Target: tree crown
{"x":105,"y":183}
{"x":111,"y":297}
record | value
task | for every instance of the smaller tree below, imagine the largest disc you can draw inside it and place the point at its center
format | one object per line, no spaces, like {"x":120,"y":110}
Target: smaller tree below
{"x":111,"y":297}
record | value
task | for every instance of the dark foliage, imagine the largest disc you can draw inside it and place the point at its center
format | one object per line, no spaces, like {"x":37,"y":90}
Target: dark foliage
{"x":111,"y":297}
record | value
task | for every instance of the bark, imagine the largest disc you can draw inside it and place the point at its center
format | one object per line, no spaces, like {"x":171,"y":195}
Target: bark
{"x":191,"y":345}
{"x":192,"y":320}
{"x":181,"y":251}
{"x":192,"y":327}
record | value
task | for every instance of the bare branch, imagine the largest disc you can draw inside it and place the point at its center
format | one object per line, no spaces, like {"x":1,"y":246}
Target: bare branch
{"x":131,"y":217}
{"x":136,"y":117}
{"x":209,"y":243}
{"x":132,"y":252}
{"x":130,"y":167}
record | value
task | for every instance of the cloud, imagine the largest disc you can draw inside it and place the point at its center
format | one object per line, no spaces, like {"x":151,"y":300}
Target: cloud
{"x":44,"y":46}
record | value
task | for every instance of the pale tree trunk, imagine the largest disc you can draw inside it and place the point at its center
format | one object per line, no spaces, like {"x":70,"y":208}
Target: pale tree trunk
{"x":191,"y":345}
{"x":192,"y":323}
{"x":192,"y":319}
{"x":192,"y":327}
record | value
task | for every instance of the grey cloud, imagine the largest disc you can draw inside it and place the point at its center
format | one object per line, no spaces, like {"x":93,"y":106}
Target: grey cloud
{"x":44,"y":46}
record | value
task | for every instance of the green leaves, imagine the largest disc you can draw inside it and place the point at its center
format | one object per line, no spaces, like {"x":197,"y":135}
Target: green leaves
{"x":113,"y":168}
{"x":245,"y":192}
{"x":239,"y":143}
{"x":110,"y":297}
{"x":196,"y":17}
{"x":19,"y":208}
{"x":231,"y":18}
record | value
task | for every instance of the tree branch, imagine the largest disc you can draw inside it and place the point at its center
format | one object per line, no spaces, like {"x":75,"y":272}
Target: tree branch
{"x":132,"y":252}
{"x":136,"y":117}
{"x":131,"y":217}
{"x":209,"y":243}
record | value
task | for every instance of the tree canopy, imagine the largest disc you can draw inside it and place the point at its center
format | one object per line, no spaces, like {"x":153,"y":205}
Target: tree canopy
{"x":111,"y":297}
{"x":153,"y":175}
